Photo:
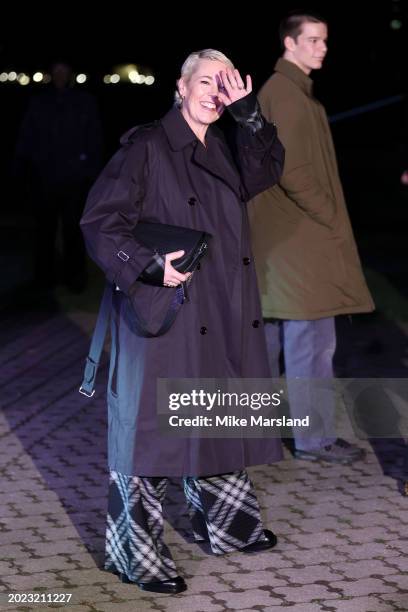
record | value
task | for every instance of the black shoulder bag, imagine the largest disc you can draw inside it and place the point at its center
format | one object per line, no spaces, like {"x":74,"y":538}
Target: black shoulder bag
{"x":161,"y":239}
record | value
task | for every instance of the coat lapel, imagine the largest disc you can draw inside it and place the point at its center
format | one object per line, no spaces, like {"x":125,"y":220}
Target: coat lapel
{"x":214,"y":158}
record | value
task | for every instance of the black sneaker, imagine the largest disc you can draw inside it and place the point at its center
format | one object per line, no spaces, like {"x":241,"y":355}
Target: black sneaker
{"x":171,"y":587}
{"x":268,"y":541}
{"x":353,"y":449}
{"x":340,"y":451}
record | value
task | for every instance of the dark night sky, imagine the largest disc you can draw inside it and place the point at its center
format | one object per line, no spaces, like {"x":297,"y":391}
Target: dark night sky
{"x":364,"y":51}
{"x":366,"y":60}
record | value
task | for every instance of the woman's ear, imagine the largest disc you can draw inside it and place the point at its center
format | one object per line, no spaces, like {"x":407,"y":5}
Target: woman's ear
{"x":181,"y":86}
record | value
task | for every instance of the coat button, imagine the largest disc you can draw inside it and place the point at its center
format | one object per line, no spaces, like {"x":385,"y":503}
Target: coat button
{"x":255,"y":323}
{"x":203,"y":331}
{"x":192,"y":201}
{"x":246,"y":261}
{"x":198,"y":266}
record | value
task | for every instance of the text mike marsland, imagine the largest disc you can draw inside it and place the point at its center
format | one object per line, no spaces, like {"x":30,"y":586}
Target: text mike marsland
{"x":233,"y":421}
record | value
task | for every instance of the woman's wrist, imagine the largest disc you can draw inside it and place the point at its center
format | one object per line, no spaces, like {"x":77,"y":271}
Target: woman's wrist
{"x":247,"y":112}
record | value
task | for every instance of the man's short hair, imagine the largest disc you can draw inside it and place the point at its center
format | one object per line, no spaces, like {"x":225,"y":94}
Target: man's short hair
{"x":291,"y":24}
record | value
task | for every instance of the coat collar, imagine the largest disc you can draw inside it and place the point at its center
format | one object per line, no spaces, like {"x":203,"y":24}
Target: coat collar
{"x":215,"y":158}
{"x":295,"y":74}
{"x":178,"y":132}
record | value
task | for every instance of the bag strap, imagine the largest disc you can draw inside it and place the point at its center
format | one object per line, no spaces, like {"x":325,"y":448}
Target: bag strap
{"x":179,"y":298}
{"x":97,"y":342}
{"x":101,"y":327}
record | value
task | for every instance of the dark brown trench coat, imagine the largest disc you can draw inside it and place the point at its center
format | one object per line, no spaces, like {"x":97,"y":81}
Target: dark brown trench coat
{"x":164,"y":174}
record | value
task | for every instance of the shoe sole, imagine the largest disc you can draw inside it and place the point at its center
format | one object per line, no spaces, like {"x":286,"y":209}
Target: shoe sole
{"x":327,"y":459}
{"x":145,"y":586}
{"x":163,"y":590}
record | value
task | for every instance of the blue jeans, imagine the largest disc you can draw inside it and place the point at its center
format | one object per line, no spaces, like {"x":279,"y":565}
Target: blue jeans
{"x":308,"y":350}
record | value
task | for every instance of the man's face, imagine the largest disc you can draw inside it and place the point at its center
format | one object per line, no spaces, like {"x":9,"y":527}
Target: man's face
{"x":310,"y":48}
{"x":61,"y":75}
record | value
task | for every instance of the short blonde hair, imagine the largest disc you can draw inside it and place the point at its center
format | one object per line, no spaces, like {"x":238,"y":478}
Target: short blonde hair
{"x":191,"y":62}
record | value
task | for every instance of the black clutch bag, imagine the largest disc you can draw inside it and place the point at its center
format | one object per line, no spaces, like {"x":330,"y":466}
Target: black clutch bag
{"x":163,"y":239}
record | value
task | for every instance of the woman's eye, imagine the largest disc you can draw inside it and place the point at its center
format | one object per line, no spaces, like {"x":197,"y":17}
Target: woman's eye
{"x":205,"y":82}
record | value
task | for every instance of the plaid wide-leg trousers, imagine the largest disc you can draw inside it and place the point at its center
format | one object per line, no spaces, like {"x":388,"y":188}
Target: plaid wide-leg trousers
{"x":223,"y":510}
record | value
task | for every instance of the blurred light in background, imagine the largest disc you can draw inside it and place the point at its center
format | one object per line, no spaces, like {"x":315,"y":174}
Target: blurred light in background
{"x":23,"y":78}
{"x":126,"y":73}
{"x":396,"y":24}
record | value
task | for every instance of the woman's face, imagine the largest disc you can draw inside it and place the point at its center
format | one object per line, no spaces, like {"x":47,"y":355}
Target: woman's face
{"x":201,"y":104}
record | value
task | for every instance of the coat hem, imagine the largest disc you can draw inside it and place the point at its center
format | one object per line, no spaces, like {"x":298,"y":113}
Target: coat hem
{"x":308,"y":316}
{"x":149,"y":472}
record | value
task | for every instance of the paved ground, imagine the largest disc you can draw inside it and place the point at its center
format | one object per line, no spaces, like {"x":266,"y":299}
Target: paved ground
{"x":342,"y":531}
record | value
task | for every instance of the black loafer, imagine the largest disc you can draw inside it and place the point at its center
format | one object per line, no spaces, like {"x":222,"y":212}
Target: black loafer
{"x":172,"y":586}
{"x":268,"y":541}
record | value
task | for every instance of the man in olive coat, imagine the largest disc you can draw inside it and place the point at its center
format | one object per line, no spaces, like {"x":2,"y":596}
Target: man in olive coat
{"x":307,"y":262}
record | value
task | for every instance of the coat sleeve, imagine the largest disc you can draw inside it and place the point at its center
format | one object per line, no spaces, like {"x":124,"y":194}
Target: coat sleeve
{"x":298,"y":180}
{"x":259,"y":153}
{"x":112,"y":210}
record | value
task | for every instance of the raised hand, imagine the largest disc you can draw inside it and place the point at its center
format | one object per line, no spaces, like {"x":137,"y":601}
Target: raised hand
{"x":231,"y":87}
